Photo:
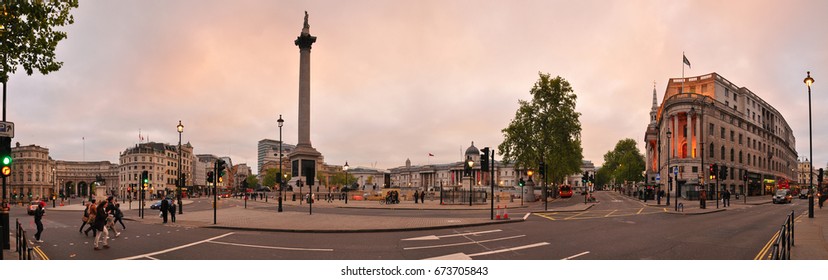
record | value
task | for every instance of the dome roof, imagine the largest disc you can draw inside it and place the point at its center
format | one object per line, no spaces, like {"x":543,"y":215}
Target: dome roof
{"x":472,"y":150}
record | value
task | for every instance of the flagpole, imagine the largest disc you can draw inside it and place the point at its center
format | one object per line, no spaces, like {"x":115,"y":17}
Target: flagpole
{"x":682,"y":72}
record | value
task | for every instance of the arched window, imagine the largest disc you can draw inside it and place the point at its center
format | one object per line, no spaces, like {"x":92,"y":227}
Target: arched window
{"x":732,"y":158}
{"x":740,"y":156}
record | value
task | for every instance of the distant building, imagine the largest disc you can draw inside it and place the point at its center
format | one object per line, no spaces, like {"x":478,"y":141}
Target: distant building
{"x":269,"y":152}
{"x":161,"y":161}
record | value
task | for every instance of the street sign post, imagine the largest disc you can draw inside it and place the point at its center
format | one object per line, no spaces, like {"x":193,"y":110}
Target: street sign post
{"x":7,"y":129}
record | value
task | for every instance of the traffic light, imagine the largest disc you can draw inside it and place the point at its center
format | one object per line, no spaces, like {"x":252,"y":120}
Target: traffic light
{"x":723,"y":172}
{"x":145,"y":179}
{"x":521,"y":183}
{"x":210,"y":177}
{"x":5,"y":156}
{"x":819,"y":176}
{"x":744,"y":176}
{"x":484,"y":160}
{"x":310,"y":174}
{"x":542,"y":169}
{"x":220,"y":166}
{"x":592,"y":178}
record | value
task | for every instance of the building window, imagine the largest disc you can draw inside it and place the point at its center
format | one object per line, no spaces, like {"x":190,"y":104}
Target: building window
{"x":712,"y":151}
{"x":695,"y":169}
{"x":727,"y":92}
{"x":711,"y":129}
{"x":732,"y":138}
{"x":740,"y":139}
{"x":723,"y":132}
{"x":704,"y":88}
{"x":740,"y":156}
{"x":723,"y":153}
{"x":731,"y":155}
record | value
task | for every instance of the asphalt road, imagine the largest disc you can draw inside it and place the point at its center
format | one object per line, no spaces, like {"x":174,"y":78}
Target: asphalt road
{"x":615,"y":228}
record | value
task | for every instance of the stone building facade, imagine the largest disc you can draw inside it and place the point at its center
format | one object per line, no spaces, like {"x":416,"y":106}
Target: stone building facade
{"x":713,"y":121}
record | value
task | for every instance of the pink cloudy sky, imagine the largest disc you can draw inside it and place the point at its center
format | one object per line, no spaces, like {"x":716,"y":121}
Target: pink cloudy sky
{"x":393,"y":80}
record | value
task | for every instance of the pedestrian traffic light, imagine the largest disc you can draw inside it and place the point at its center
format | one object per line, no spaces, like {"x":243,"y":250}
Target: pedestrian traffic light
{"x":484,"y":160}
{"x":5,"y":156}
{"x":521,"y":183}
{"x":210,"y":177}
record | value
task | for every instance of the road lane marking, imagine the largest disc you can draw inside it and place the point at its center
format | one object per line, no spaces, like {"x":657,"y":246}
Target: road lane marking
{"x":463,"y":256}
{"x":177,"y":248}
{"x":576,"y":215}
{"x":463,"y":243}
{"x":639,"y":211}
{"x":575,"y":256}
{"x":526,"y":216}
{"x":766,"y":247}
{"x":434,"y":237}
{"x":610,"y":213}
{"x":270,"y":247}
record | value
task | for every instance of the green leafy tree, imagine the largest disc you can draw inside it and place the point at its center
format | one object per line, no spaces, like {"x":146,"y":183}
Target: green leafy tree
{"x":625,"y":162}
{"x":546,"y":129}
{"x":603,"y":176}
{"x":29,"y":37}
{"x":271,"y":177}
{"x":252,"y":181}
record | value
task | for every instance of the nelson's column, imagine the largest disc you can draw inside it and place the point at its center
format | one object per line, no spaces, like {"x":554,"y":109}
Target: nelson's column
{"x":304,"y":159}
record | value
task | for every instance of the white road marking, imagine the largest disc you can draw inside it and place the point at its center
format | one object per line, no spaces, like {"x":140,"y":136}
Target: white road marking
{"x":463,"y":243}
{"x":271,"y":247}
{"x":434,"y":237}
{"x":176,"y":248}
{"x":575,"y":256}
{"x":155,"y":259}
{"x":527,"y":216}
{"x":463,"y":256}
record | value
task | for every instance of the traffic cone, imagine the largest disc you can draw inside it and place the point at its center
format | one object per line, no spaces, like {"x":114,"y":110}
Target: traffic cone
{"x":505,"y":212}
{"x":497,"y":216}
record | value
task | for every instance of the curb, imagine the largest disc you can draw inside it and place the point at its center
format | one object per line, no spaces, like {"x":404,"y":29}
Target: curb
{"x":363,"y":230}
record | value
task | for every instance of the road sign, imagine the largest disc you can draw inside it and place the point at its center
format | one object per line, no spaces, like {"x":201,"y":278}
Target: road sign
{"x":658,"y":177}
{"x":675,"y":170}
{"x":7,"y":129}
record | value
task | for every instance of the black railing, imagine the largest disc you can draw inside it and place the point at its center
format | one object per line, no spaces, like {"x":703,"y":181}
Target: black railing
{"x":781,"y":248}
{"x":24,"y":251}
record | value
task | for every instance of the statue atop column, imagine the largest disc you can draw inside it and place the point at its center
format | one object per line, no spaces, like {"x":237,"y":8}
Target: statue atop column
{"x":306,"y":27}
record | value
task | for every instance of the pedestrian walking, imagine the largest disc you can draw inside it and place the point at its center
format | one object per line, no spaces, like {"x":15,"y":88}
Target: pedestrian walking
{"x":119,"y":216}
{"x":100,"y":225}
{"x":110,"y":216}
{"x":38,"y":217}
{"x":416,"y":197}
{"x":422,"y":197}
{"x":92,"y":215}
{"x":165,"y":206}
{"x":85,"y":217}
{"x":172,"y":211}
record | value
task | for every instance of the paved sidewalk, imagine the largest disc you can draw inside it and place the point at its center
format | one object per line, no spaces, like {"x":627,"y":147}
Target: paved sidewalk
{"x":693,"y":207}
{"x":810,"y":235}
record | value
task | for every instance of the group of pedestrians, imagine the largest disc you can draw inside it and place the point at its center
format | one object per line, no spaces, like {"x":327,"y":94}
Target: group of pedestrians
{"x":101,"y":218}
{"x":419,"y":196}
{"x":168,"y":206}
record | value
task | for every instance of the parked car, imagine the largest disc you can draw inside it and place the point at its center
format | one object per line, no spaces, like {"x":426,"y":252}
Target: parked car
{"x":782,"y":196}
{"x":803,"y":194}
{"x":32,"y":207}
{"x":157,"y":205}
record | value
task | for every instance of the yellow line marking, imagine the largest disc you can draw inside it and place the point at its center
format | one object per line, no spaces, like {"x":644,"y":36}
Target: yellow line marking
{"x":544,"y":216}
{"x":41,"y":253}
{"x":766,"y":247}
{"x":639,"y":211}
{"x":576,"y":215}
{"x":613,"y":211}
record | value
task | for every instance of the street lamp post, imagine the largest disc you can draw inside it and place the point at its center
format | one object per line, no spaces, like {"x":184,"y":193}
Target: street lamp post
{"x":180,"y":128}
{"x":470,"y":163}
{"x":346,"y":181}
{"x":808,"y":82}
{"x":281,"y":122}
{"x":670,"y":177}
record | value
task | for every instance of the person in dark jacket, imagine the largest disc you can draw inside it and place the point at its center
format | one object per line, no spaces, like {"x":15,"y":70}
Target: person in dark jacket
{"x":100,"y":226}
{"x":165,"y":207}
{"x":38,"y":217}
